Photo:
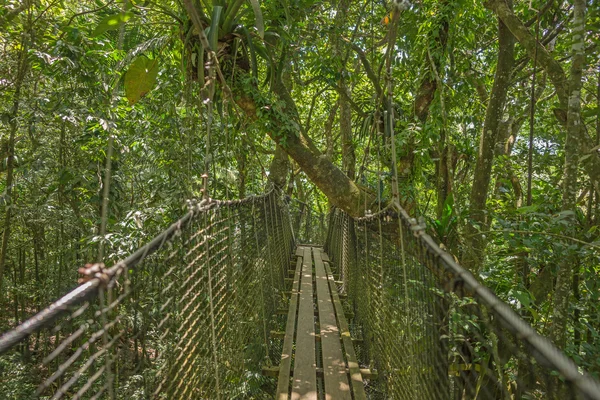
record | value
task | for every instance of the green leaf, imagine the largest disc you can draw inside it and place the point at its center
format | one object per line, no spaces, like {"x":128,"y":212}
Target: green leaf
{"x":268,"y":77}
{"x":111,"y":22}
{"x":252,"y":52}
{"x":523,"y":297}
{"x":262,"y":51}
{"x":527,"y":209}
{"x":213,"y":33}
{"x":260,"y":25}
{"x":140,"y":78}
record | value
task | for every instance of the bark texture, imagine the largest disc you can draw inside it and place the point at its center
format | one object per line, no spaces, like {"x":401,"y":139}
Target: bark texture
{"x":475,"y":242}
{"x":280,"y":164}
{"x":279,"y":168}
{"x":429,"y":84}
{"x":558,"y":77}
{"x":562,"y":292}
{"x":348,"y":153}
{"x":340,"y":189}
{"x":10,"y":160}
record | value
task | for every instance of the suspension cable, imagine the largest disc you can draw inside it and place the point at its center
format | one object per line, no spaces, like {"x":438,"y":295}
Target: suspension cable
{"x":109,"y":155}
{"x":532,"y":112}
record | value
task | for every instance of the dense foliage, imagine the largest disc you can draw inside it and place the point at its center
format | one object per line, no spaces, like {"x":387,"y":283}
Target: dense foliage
{"x":125,"y":84}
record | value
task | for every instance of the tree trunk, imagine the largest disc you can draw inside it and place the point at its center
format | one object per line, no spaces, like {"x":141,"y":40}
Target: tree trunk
{"x":575,"y":130}
{"x":280,"y":164}
{"x":577,"y":313}
{"x":508,"y":133}
{"x":279,"y":168}
{"x":348,"y":154}
{"x":475,"y":242}
{"x":443,"y":182}
{"x":284,"y":128}
{"x":559,"y":80}
{"x":10,"y":162}
{"x":429,"y":84}
{"x":340,"y":189}
{"x":329,"y":139}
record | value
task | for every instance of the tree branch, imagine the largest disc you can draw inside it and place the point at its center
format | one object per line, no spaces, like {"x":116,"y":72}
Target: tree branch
{"x":369,"y":71}
{"x":527,"y":40}
{"x":557,"y":75}
{"x":354,"y":106}
{"x":341,"y":191}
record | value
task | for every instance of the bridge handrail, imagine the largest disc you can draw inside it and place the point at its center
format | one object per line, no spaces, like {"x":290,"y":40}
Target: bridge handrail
{"x":462,"y":282}
{"x":90,"y":289}
{"x":546,"y":353}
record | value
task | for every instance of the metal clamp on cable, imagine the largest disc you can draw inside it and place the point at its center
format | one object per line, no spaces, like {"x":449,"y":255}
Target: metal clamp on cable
{"x":418,"y":227}
{"x":91,"y":271}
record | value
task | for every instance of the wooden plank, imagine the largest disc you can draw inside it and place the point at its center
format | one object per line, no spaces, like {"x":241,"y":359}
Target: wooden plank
{"x":366,"y":373}
{"x":334,"y":367}
{"x":283,"y":383}
{"x":300,"y":251}
{"x":304,"y":385}
{"x":356,"y":378}
{"x":324,"y":256}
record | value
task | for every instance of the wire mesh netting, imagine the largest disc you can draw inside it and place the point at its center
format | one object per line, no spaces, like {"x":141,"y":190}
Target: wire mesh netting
{"x":429,"y":328}
{"x":190,"y":316}
{"x":310,"y":225}
{"x":187,"y":316}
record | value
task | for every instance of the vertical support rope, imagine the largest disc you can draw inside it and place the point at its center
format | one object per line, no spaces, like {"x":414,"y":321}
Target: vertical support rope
{"x":109,"y":154}
{"x":281,"y":247}
{"x":389,"y":120}
{"x":105,"y":341}
{"x":105,"y":197}
{"x":269,"y":237}
{"x":532,"y":113}
{"x":230,"y":291}
{"x":262,"y":291}
{"x":208,"y":225}
{"x":210,"y":94}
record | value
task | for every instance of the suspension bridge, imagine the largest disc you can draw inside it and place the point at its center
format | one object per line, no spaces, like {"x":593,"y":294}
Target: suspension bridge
{"x":227,"y":304}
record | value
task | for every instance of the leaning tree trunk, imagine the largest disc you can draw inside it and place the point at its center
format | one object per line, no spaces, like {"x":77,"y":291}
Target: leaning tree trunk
{"x":475,"y":242}
{"x":340,"y":189}
{"x":575,"y":129}
{"x":284,"y":128}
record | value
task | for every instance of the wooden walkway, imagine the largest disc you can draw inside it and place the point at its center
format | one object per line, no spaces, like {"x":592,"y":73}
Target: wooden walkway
{"x":317,"y":346}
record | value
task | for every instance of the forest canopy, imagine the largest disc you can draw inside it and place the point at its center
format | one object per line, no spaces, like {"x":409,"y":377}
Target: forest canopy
{"x":486,"y":114}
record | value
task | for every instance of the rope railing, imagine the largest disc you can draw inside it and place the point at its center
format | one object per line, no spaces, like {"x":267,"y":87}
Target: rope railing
{"x":429,"y":328}
{"x":190,"y":315}
{"x":186,"y":316}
